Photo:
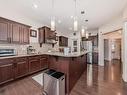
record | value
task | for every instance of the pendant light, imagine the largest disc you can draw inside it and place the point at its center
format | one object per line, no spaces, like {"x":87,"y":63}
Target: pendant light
{"x":75,"y":19}
{"x":87,"y":35}
{"x":83,"y":32}
{"x":86,"y":29}
{"x":53,"y":18}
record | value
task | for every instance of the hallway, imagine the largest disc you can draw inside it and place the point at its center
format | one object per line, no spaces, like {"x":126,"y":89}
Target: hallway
{"x":101,"y":81}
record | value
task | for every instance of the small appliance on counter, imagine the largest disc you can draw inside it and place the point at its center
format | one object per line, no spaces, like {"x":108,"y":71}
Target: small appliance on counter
{"x":66,"y":50}
{"x":54,"y":83}
{"x":7,"y":52}
{"x":30,"y":50}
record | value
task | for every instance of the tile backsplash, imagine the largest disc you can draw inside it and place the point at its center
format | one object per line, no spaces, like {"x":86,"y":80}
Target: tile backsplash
{"x":22,"y":49}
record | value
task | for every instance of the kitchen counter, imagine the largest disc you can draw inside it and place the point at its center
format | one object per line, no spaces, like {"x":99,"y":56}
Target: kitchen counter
{"x":72,"y":65}
{"x":48,"y":53}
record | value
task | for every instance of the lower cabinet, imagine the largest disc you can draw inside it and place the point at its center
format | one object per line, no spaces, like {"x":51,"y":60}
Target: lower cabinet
{"x":34,"y":64}
{"x":6,"y":70}
{"x":53,"y":63}
{"x":72,"y":67}
{"x":14,"y":68}
{"x":21,"y":67}
{"x":44,"y":62}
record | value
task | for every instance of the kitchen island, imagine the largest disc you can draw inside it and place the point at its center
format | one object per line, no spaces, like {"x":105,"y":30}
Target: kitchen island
{"x":72,"y":65}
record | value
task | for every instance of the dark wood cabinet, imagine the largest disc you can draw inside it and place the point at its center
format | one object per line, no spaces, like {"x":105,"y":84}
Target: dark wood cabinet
{"x":44,"y":62}
{"x":34,"y":64}
{"x":76,"y":68}
{"x":63,"y":41}
{"x":13,"y":32}
{"x":72,"y":67}
{"x":6,"y":70}
{"x":4,"y":31}
{"x":24,"y":34}
{"x":53,"y":63}
{"x":41,"y":35}
{"x":21,"y":67}
{"x":46,"y":35}
{"x":15,"y":68}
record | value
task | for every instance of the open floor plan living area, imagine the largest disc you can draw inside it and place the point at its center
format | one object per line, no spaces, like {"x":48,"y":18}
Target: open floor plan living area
{"x":63,"y":47}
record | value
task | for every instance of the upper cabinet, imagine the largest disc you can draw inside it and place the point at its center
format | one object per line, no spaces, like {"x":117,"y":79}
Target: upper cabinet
{"x":13,"y":32}
{"x":4,"y":31}
{"x":24,"y":32}
{"x":46,"y":35}
{"x":63,"y":41}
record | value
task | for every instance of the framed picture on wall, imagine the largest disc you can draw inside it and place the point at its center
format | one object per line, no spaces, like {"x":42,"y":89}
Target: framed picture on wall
{"x":33,"y":33}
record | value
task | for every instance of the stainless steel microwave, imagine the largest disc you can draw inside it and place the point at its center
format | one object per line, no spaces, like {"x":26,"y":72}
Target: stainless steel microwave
{"x":7,"y":52}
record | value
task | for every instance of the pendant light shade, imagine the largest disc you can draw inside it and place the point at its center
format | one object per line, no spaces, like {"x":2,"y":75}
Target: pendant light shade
{"x":87,"y":35}
{"x":53,"y":23}
{"x":75,"y":20}
{"x":83,"y":32}
{"x":75,"y":25}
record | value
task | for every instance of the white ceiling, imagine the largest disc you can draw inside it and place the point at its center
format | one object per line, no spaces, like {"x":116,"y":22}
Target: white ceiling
{"x":97,"y":12}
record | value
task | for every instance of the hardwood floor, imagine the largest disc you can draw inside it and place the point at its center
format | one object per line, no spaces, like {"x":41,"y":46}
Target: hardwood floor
{"x":25,"y":86}
{"x":96,"y":81}
{"x":101,"y":81}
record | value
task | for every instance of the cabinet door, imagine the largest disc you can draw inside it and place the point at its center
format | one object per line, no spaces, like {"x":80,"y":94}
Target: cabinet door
{"x":6,"y":70}
{"x":4,"y":31}
{"x":66,"y":42}
{"x":53,"y":64}
{"x":21,"y":67}
{"x":47,"y":33}
{"x":34,"y":64}
{"x":44,"y":62}
{"x":41,"y":35}
{"x":24,"y":35}
{"x":15,"y":33}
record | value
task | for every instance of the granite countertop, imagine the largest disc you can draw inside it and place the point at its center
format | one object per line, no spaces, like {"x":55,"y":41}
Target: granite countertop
{"x":48,"y":53}
{"x":63,"y":55}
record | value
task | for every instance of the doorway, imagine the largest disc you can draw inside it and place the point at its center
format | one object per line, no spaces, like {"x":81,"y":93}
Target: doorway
{"x":112,"y":49}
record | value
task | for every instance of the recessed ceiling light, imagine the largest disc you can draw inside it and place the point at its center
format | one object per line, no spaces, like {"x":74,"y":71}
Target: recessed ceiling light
{"x":59,"y":21}
{"x":86,"y":20}
{"x":82,"y":12}
{"x":35,"y":6}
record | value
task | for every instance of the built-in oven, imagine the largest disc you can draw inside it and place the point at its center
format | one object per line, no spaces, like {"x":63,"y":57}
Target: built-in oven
{"x":7,"y":52}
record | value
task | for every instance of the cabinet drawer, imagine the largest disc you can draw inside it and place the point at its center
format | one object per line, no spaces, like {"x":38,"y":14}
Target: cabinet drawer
{"x":6,"y":70}
{"x":34,"y":57}
{"x":21,"y":59}
{"x":6,"y":61}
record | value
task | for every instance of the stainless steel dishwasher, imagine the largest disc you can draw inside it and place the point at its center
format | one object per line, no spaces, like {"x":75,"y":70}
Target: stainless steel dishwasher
{"x":54,"y":83}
